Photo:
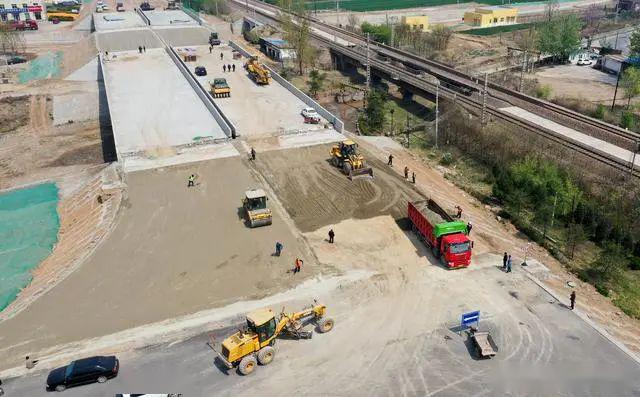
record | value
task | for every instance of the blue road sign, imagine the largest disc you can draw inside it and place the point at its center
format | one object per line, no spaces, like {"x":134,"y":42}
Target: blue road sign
{"x":470,"y":318}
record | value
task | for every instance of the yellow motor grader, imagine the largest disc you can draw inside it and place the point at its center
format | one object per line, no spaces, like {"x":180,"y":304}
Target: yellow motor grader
{"x":254,"y":345}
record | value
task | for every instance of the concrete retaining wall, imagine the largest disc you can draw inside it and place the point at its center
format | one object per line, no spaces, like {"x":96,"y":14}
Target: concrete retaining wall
{"x":102,"y":75}
{"x":144,"y":17}
{"x":338,"y":125}
{"x":225,"y":124}
{"x":193,"y":15}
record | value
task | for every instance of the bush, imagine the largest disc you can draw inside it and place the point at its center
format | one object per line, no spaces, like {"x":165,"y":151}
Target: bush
{"x":543,"y":91}
{"x":600,"y":112}
{"x":447,"y":159}
{"x":602,"y":289}
{"x":627,"y":120}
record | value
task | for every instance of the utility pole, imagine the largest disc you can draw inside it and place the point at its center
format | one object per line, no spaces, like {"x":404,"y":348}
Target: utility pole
{"x":524,"y":65}
{"x":615,"y":93}
{"x":368,"y":66}
{"x":338,"y":11}
{"x":484,"y":99}
{"x":437,"y":110}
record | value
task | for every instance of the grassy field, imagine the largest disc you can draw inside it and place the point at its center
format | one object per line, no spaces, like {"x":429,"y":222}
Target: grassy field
{"x":378,"y":5}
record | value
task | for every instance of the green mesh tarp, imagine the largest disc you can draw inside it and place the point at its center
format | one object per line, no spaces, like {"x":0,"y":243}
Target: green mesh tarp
{"x":45,"y":66}
{"x":28,"y":231}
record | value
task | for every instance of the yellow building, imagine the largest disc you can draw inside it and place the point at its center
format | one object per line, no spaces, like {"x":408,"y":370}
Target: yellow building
{"x":417,"y":22}
{"x":491,"y":16}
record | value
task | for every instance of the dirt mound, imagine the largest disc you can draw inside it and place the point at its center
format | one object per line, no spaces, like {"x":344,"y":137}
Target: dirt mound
{"x":14,"y":113}
{"x":317,"y":194}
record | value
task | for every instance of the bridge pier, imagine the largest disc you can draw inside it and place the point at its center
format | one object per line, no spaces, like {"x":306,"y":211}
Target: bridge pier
{"x":407,"y":95}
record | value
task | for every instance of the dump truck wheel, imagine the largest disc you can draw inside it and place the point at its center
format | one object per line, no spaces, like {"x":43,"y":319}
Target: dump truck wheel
{"x":247,"y":364}
{"x":325,"y":325}
{"x":266,"y":355}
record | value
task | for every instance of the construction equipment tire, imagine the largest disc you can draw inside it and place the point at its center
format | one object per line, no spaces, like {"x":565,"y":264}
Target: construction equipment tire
{"x":248,"y":364}
{"x":335,"y":162}
{"x":266,"y":355}
{"x":346,"y":168}
{"x":325,"y":325}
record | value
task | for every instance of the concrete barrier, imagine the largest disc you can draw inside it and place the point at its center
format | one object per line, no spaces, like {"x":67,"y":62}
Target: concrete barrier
{"x":226,"y":124}
{"x":338,"y":125}
{"x":103,"y":76}
{"x":144,"y":17}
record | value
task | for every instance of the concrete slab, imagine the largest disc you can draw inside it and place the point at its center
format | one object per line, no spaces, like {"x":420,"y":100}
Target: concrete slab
{"x":595,"y":143}
{"x":169,"y":18}
{"x":182,"y":156}
{"x":75,"y":107}
{"x":88,"y":72}
{"x":127,"y":40}
{"x":255,"y":110}
{"x":106,"y":21}
{"x":149,"y":121}
{"x":184,"y":36}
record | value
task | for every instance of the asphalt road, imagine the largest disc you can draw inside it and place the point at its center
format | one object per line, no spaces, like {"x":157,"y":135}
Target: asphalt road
{"x":545,"y":350}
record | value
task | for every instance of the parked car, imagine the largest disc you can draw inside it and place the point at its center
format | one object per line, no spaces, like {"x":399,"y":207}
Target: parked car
{"x":16,"y":60}
{"x":80,"y":372}
{"x":201,"y":71}
{"x":310,"y":113}
{"x":584,"y":61}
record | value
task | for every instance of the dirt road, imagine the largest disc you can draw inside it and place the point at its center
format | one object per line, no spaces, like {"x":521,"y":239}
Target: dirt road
{"x":316,"y":194}
{"x":175,"y":250}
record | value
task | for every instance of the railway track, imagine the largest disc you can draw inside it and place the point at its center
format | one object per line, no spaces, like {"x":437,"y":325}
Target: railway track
{"x":396,"y":72}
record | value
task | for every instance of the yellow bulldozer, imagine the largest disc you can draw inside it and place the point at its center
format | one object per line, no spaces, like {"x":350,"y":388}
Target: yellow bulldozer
{"x":346,"y":157}
{"x":258,"y":72}
{"x":253,"y":345}
{"x":255,"y":208}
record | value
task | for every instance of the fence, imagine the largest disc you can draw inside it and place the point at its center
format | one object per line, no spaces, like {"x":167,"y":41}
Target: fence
{"x":144,"y":17}
{"x":338,"y":125}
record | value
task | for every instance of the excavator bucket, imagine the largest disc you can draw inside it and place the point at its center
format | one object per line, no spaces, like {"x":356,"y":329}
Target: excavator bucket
{"x":361,"y":172}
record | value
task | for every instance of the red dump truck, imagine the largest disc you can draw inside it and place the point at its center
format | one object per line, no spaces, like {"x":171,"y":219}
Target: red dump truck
{"x":446,"y":237}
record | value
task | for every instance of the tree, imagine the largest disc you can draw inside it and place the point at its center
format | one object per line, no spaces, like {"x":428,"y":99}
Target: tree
{"x":316,"y":80}
{"x":551,"y":8}
{"x":630,"y":81}
{"x":352,"y":22}
{"x":375,"y":110}
{"x":576,"y":236}
{"x":634,"y":42}
{"x":439,"y":37}
{"x":560,"y":37}
{"x":379,"y":33}
{"x":215,"y":7}
{"x":11,"y":41}
{"x":297,"y":32}
{"x":609,"y":265}
{"x":527,"y":39}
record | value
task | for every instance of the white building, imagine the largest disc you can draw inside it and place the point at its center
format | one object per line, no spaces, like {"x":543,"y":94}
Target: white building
{"x":21,"y":10}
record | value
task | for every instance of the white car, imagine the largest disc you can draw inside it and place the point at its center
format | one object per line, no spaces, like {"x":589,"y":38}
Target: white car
{"x":584,"y":61}
{"x":310,"y":113}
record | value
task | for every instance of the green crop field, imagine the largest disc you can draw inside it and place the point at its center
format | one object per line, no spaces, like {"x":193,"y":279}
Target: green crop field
{"x":498,"y":29}
{"x":377,"y":5}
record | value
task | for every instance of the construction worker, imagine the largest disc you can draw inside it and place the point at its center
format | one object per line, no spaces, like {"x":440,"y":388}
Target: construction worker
{"x":298,"y":265}
{"x":253,"y":154}
{"x":504,"y":261}
{"x":140,"y":49}
{"x":572,"y":298}
{"x":210,"y":49}
{"x":221,"y":56}
{"x":234,"y":67}
{"x":30,"y":363}
{"x":469,"y":227}
{"x":331,"y":236}
{"x":224,"y":68}
{"x":509,"y":264}
{"x":279,"y":247}
{"x":229,"y":67}
{"x":192,"y":179}
{"x":406,"y":172}
{"x":390,"y":162}
{"x":413,"y":177}
{"x":459,"y":213}
{"x":144,"y":49}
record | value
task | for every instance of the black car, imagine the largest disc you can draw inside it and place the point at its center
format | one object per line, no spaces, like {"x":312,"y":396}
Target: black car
{"x":80,"y":372}
{"x":201,"y":71}
{"x":16,"y":60}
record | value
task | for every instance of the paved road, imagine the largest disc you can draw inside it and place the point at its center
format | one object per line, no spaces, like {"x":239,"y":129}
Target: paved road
{"x":544,"y":350}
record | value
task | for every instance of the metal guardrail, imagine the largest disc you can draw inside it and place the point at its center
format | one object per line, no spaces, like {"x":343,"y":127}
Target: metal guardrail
{"x":193,"y":15}
{"x":146,"y":20}
{"x":338,"y":125}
